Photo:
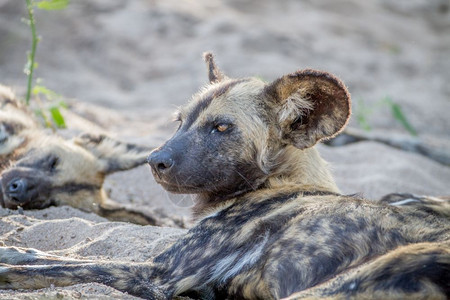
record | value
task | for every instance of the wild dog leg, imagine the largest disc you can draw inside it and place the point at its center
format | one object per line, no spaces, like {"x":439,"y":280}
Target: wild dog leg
{"x":134,"y":279}
{"x":127,"y":213}
{"x":408,"y":272}
{"x":437,"y":205}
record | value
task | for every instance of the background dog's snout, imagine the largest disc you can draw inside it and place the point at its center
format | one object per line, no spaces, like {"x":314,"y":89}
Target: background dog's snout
{"x":16,"y":189}
{"x":160,"y":161}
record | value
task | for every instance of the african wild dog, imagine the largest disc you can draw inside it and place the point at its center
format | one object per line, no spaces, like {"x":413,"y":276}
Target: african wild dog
{"x":271,"y":221}
{"x":38,"y":169}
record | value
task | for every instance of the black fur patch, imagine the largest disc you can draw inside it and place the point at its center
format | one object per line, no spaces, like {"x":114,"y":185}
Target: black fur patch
{"x":74,"y":187}
{"x":46,"y":163}
{"x":208,"y":98}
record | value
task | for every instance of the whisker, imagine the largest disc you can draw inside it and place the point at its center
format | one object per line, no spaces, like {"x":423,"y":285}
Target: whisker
{"x":246,"y":180}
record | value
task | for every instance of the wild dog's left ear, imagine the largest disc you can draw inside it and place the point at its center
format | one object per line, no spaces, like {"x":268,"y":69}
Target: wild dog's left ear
{"x":311,"y":105}
{"x":214,"y":74}
{"x":113,"y":155}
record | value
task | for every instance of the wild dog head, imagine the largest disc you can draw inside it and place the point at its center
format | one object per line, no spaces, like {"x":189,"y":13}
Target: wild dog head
{"x":39,"y":169}
{"x":54,"y":171}
{"x":234,"y":134}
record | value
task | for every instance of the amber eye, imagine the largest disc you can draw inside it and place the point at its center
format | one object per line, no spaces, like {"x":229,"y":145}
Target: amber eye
{"x":222,"y":127}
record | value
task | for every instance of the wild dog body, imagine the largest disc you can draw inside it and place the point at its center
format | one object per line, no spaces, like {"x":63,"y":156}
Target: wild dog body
{"x":271,"y":220}
{"x":38,"y":169}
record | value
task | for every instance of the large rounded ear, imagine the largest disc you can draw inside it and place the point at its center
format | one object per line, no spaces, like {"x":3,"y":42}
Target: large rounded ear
{"x":113,"y":155}
{"x":214,"y":74}
{"x":310,"y":106}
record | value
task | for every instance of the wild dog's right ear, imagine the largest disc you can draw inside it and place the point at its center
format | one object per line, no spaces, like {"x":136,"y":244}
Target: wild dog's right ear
{"x":310,"y":105}
{"x":214,"y":74}
{"x":113,"y":155}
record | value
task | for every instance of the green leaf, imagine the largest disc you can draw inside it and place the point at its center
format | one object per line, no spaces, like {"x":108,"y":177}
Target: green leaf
{"x":52,"y":4}
{"x":63,"y":104}
{"x":398,"y":114}
{"x":40,"y":89}
{"x":57,"y":117}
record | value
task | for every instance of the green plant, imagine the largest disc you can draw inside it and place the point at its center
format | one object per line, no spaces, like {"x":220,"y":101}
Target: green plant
{"x":362,"y":114}
{"x":364,"y":111}
{"x":398,"y":114}
{"x":31,"y":64}
{"x":54,"y":109}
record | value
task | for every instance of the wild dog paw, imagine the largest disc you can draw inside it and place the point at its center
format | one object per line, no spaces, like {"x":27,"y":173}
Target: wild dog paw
{"x":23,"y":277}
{"x":5,"y":279}
{"x":436,"y":205}
{"x":20,"y":256}
{"x":406,"y":199}
{"x":13,"y":256}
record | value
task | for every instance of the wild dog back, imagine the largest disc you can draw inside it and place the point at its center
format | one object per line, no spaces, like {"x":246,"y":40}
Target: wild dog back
{"x":272,"y":247}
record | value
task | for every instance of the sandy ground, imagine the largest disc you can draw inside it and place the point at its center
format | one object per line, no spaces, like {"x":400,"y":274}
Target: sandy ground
{"x":141,"y":59}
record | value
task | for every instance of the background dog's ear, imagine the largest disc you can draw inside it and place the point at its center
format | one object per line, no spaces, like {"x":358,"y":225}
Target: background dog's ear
{"x":310,"y":105}
{"x":214,"y":74}
{"x":113,"y":155}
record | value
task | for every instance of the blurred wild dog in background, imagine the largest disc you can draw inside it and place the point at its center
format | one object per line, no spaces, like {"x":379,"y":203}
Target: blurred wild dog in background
{"x":38,"y":169}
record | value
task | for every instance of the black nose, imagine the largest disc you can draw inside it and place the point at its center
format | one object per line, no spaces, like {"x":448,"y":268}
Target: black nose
{"x":161,"y":161}
{"x":16,"y":189}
